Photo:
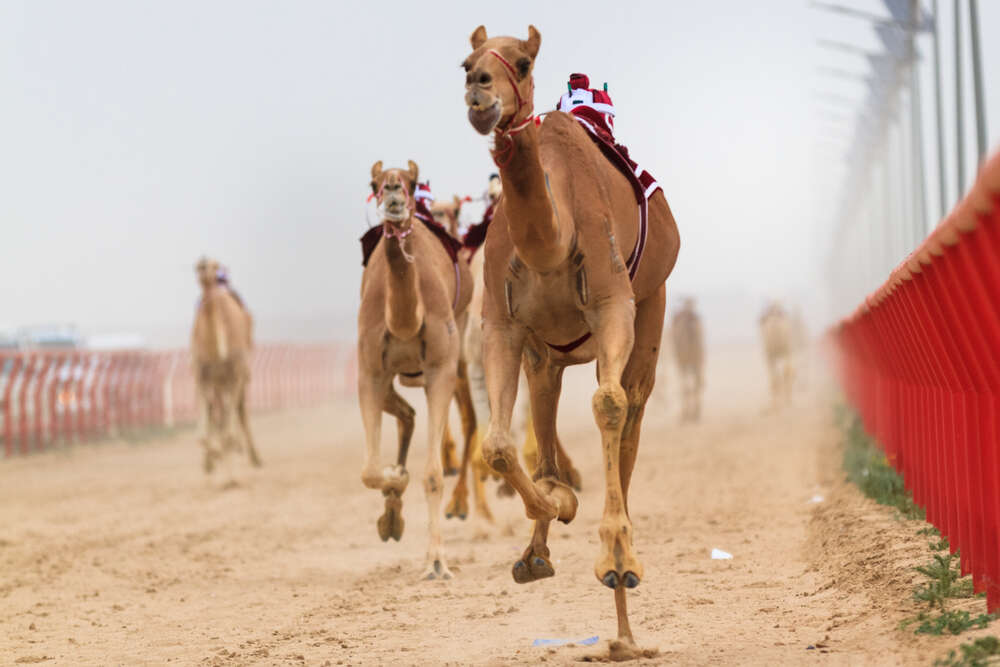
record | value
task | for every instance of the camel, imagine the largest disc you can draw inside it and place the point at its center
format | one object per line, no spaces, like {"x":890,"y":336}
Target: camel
{"x":221,"y":343}
{"x":689,"y":352}
{"x":446,"y":213}
{"x":557,"y":293}
{"x":778,"y":336}
{"x":414,"y":300}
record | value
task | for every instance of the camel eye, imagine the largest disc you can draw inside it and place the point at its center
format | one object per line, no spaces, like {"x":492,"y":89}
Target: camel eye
{"x":466,"y":66}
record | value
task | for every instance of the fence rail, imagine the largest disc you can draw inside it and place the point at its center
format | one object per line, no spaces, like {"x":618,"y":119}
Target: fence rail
{"x":63,"y":396}
{"x":920,"y":361}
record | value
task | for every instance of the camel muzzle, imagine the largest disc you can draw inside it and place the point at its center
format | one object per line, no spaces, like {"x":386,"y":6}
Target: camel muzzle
{"x":484,"y":120}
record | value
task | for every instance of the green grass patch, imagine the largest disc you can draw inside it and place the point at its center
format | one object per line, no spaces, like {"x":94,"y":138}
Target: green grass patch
{"x":867,"y":467}
{"x":980,"y":653}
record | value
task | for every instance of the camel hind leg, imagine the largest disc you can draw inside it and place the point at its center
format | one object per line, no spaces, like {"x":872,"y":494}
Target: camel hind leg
{"x":459,"y":504}
{"x":439,"y":389}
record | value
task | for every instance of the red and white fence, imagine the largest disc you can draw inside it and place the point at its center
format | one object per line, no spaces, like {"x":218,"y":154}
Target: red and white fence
{"x":77,"y":395}
{"x":920,"y":361}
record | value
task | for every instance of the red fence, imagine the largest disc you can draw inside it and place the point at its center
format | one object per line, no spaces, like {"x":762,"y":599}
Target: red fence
{"x":920,"y":361}
{"x":76,"y":395}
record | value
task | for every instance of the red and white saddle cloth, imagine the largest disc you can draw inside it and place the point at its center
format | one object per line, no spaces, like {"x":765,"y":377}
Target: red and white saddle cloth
{"x":595,"y":112}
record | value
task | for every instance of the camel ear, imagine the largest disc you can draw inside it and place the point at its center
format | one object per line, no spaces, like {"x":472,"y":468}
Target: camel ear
{"x":478,"y":37}
{"x":376,"y":173}
{"x":414,"y":172}
{"x":534,"y":41}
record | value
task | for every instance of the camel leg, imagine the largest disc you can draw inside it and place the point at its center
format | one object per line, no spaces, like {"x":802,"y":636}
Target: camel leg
{"x":544,"y":385}
{"x":372,"y":391}
{"x":391,"y":523}
{"x":230,"y":440}
{"x":637,"y":381}
{"x":614,"y":332}
{"x":205,"y":428}
{"x":241,"y":411}
{"x":439,"y":389}
{"x":502,"y":347}
{"x":459,"y":504}
{"x":449,"y":457}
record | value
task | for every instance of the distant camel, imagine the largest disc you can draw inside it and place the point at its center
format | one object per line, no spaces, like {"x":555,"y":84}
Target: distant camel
{"x":415,"y":293}
{"x":221,"y":344}
{"x":777,"y":334}
{"x":689,"y":353}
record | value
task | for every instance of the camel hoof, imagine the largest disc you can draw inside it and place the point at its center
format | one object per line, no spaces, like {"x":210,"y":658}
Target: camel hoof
{"x":532,"y":568}
{"x":610,"y":580}
{"x":505,"y":490}
{"x":436,"y":570}
{"x":631,"y":580}
{"x":458,"y":507}
{"x":391,"y":523}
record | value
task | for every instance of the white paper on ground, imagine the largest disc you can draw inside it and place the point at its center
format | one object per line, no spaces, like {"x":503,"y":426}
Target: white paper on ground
{"x":719,"y":554}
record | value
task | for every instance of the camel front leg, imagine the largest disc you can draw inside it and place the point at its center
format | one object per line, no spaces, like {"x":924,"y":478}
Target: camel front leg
{"x":391,"y":523}
{"x":502,"y":346}
{"x":637,"y":381}
{"x":439,"y":389}
{"x":205,"y":427}
{"x":614,"y":332}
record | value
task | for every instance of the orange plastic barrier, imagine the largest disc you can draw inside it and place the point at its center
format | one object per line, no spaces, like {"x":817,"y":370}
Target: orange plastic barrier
{"x":50,"y":397}
{"x":920,"y":361}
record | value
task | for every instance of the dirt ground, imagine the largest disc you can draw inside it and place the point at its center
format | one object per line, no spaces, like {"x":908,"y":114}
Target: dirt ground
{"x":123,"y":553}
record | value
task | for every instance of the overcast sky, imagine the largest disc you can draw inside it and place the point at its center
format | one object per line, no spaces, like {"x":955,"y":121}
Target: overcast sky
{"x":135,"y":136}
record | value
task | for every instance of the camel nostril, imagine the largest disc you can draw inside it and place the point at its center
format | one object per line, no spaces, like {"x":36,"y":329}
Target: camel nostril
{"x":485,"y":79}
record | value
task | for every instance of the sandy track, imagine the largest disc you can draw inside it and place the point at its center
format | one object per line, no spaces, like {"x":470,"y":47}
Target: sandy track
{"x":124,"y":554}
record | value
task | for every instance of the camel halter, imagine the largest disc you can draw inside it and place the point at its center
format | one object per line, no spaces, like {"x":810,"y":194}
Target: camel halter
{"x":509,"y":132}
{"x":390,"y":231}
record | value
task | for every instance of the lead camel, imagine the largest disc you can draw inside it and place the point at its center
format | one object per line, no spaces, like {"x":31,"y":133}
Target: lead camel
{"x":558,"y":290}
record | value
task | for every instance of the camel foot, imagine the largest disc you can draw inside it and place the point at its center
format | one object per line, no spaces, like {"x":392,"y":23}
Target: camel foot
{"x":532,"y":567}
{"x":617,"y":566}
{"x":561,"y":495}
{"x":459,"y":505}
{"x":505,"y":490}
{"x":624,"y":648}
{"x":436,"y":570}
{"x":391,"y":523}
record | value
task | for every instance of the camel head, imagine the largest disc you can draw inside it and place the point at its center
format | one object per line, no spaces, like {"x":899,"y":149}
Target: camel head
{"x":207,"y":271}
{"x":446,"y":213}
{"x":394,"y":189}
{"x":499,"y":88}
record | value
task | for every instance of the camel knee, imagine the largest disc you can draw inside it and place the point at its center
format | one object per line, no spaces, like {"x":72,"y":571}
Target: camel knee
{"x":610,"y":405}
{"x":433,"y":482}
{"x":499,"y":452}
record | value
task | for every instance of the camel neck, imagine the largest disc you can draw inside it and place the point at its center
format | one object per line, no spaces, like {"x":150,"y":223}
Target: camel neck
{"x":403,"y":306}
{"x":532,"y":216}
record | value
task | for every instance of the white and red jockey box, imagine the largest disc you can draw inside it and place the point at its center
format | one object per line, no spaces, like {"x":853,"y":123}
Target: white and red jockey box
{"x":593,"y":105}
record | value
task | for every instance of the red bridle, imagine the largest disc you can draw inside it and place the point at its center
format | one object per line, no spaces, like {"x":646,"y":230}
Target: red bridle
{"x":509,"y":132}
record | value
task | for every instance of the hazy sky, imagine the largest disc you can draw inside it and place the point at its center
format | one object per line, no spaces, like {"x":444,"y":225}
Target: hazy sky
{"x":135,"y":136}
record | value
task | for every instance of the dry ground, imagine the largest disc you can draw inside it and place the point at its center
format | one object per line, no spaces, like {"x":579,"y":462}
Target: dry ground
{"x":124,"y":554}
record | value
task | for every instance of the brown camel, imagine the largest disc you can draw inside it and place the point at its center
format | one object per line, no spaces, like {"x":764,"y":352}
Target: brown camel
{"x":446,"y":213}
{"x":414,"y":300}
{"x":558,"y":292}
{"x":778,"y":336}
{"x":689,"y":353}
{"x":221,"y":342}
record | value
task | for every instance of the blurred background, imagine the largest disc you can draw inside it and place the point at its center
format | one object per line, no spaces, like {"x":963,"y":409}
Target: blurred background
{"x":137,"y":137}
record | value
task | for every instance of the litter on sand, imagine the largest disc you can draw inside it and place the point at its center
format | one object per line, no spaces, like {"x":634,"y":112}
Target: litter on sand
{"x":562,"y":642}
{"x":816,"y":499}
{"x":719,"y":554}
